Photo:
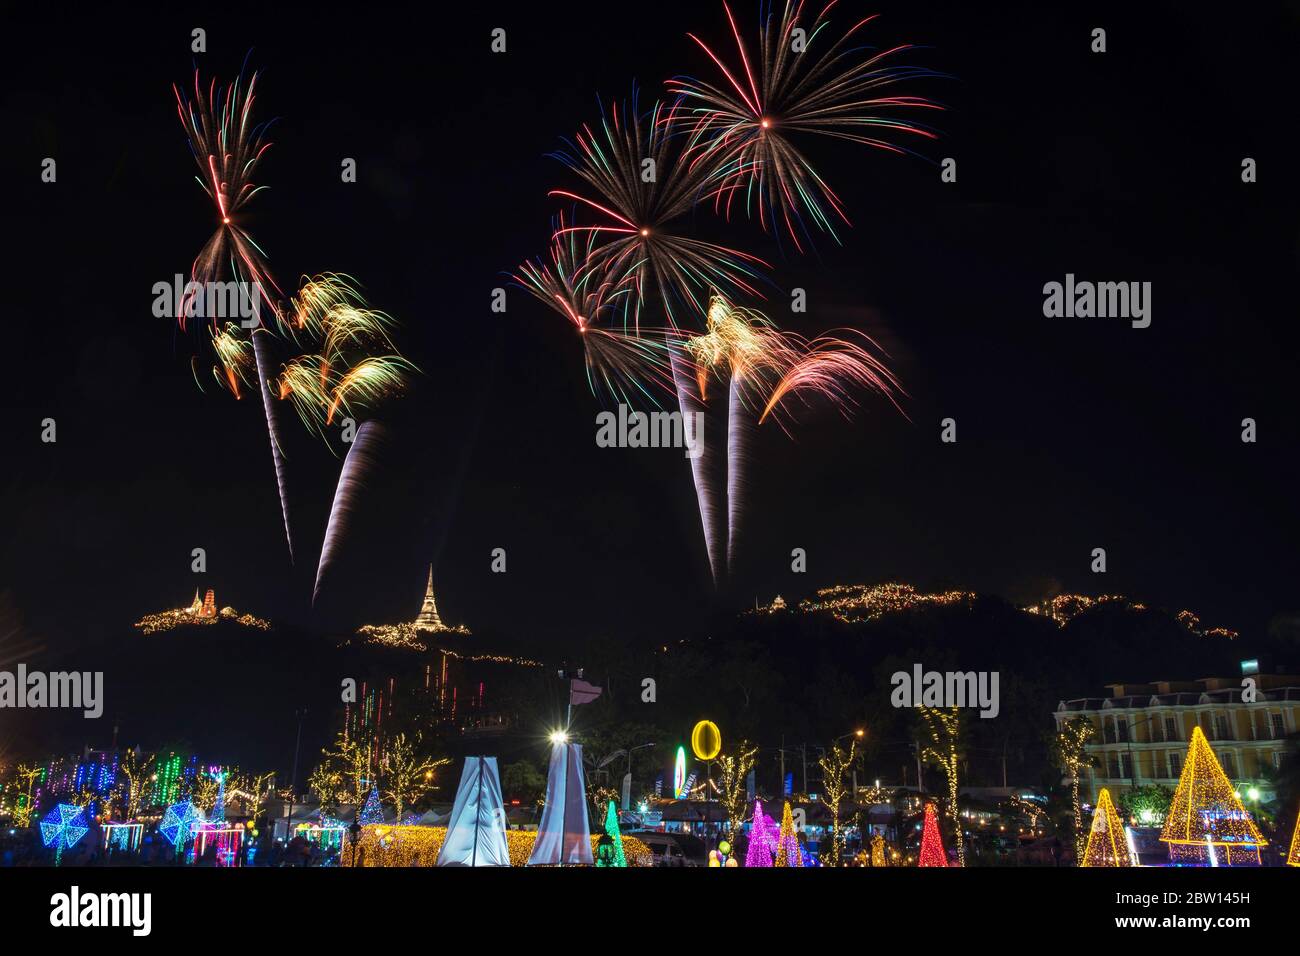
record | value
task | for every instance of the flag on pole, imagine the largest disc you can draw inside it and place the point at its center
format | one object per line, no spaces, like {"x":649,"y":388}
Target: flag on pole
{"x":580,"y":692}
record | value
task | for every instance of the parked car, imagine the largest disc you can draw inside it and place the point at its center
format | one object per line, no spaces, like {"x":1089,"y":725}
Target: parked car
{"x":673,"y":849}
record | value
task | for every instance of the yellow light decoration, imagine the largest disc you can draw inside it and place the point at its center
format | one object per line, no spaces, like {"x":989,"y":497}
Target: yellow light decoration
{"x":706,"y":740}
{"x":1293,"y":858}
{"x":878,"y":851}
{"x":406,"y":846}
{"x":1207,"y":813}
{"x":199,"y":612}
{"x":851,"y":603}
{"x":1107,"y":842}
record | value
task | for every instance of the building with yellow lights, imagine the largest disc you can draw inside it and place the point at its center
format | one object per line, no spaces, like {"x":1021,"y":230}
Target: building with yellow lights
{"x":1141,"y":731}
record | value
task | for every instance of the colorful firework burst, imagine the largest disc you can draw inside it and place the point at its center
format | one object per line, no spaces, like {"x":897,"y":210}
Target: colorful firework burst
{"x":356,"y":366}
{"x":643,"y":188}
{"x":580,"y":287}
{"x":227,"y":146}
{"x":742,"y":128}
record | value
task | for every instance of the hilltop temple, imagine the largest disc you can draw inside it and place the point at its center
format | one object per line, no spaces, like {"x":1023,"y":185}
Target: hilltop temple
{"x":428,"y":619}
{"x":199,"y":612}
{"x":412,"y":635}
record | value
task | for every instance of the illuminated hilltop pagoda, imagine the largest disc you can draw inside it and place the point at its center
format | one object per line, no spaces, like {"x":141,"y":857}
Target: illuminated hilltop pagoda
{"x":1206,"y":824}
{"x":411,"y":636}
{"x":199,"y":612}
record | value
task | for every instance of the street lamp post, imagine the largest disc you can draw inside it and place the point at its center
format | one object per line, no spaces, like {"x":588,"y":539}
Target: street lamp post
{"x":293,"y":781}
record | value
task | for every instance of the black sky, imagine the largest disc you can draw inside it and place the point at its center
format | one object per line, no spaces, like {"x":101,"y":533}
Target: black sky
{"x":1073,"y":433}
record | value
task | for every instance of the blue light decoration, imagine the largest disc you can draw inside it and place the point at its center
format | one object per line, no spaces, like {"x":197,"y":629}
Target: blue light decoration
{"x":219,"y":808}
{"x":178,"y":823}
{"x":65,"y":825}
{"x":372,"y":812}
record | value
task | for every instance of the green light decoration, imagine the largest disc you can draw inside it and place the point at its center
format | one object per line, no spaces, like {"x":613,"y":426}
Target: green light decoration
{"x":609,"y":849}
{"x":679,"y":774}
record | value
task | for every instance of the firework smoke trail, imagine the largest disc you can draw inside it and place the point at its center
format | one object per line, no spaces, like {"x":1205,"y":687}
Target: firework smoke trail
{"x":737,"y":460}
{"x":742,"y":126}
{"x":690,"y":403}
{"x":277,"y":455}
{"x":361,"y":459}
{"x":638,"y":221}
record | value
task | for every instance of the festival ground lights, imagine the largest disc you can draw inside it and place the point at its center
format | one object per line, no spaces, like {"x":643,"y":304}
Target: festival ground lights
{"x":707,"y":434}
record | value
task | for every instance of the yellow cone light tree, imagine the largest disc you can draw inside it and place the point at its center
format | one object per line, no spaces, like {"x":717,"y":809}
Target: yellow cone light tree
{"x":1206,"y":816}
{"x":1107,"y":841}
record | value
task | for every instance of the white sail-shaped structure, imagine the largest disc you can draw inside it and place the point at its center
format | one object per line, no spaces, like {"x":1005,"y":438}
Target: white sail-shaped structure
{"x":563,"y":835}
{"x":476,"y":831}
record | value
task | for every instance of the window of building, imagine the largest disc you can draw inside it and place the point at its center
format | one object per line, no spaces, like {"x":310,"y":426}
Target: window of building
{"x":1278,"y":725}
{"x":1171,"y":728}
{"x":1229,"y":761}
{"x":1121,"y":729}
{"x":1156,"y":730}
{"x":1221,"y":731}
{"x":1175,"y":763}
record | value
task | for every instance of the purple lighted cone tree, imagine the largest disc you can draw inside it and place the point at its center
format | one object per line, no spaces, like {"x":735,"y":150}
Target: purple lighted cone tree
{"x":759,"y":852}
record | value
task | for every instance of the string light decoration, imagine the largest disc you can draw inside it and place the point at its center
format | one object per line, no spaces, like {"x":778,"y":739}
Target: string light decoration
{"x":878,"y":851}
{"x":373,"y":811}
{"x":1206,"y":813}
{"x":931,"y":842}
{"x":853,"y":603}
{"x":198,"y":613}
{"x":778,"y":606}
{"x":225,"y":839}
{"x":834,"y":763}
{"x":1293,"y":857}
{"x":734,"y":769}
{"x":944,"y":726}
{"x":179,"y":822}
{"x":788,"y":851}
{"x":1070,"y":753}
{"x":609,"y":849}
{"x":64,"y":826}
{"x":414,"y":846}
{"x":761,"y":844}
{"x":1107,"y":841}
{"x":122,"y":836}
{"x":1064,"y":608}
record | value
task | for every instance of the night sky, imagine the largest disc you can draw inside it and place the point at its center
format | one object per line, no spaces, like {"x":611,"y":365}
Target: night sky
{"x":1072,"y":433}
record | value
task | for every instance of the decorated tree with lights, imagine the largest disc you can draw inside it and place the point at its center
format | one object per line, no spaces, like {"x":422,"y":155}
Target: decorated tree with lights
{"x":373,"y":811}
{"x":136,"y":768}
{"x":26,"y":775}
{"x":610,"y":850}
{"x":408,"y":775}
{"x":759,"y":851}
{"x":348,"y":768}
{"x":788,"y":852}
{"x":1107,"y":842}
{"x":734,"y":769}
{"x":932,"y":853}
{"x":1206,"y":813}
{"x":834,"y":763}
{"x":944,"y":726}
{"x":1070,"y":753}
